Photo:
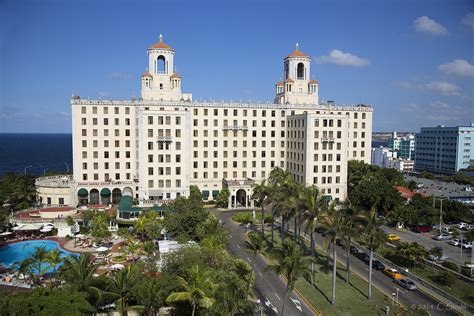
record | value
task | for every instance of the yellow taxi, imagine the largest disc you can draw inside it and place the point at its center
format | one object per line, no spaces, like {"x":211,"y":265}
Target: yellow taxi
{"x":392,"y":237}
{"x":393,"y":273}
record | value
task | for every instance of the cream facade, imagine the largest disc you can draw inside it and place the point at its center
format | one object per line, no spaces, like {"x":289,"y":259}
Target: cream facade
{"x":159,"y":145}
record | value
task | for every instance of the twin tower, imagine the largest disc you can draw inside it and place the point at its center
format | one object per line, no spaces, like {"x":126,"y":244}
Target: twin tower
{"x":161,"y":82}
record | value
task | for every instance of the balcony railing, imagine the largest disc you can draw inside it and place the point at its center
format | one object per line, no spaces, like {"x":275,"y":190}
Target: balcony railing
{"x":164,"y":139}
{"x":328,"y":139}
{"x":235,"y":128}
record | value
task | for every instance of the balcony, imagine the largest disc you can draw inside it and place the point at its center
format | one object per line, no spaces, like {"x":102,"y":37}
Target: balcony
{"x":234,"y":128}
{"x":328,"y":139}
{"x":164,"y":139}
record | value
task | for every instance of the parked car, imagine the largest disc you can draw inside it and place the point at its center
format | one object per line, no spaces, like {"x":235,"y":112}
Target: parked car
{"x":466,"y":245}
{"x":393,"y":273}
{"x":393,"y":237}
{"x":443,"y":237}
{"x":378,"y":265}
{"x":455,"y":242}
{"x":406,"y":283}
{"x":446,"y":230}
{"x":353,"y":250}
{"x":469,"y":227}
{"x":421,"y":228}
{"x":452,"y":222}
{"x":437,"y":258}
{"x":365,"y":257}
{"x":462,"y":225}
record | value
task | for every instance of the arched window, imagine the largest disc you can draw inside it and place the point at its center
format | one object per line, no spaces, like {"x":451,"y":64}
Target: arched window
{"x":287,"y":70}
{"x":161,"y":65}
{"x":300,"y":71}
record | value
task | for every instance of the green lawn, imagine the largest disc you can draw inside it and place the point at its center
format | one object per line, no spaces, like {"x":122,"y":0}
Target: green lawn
{"x":351,"y":298}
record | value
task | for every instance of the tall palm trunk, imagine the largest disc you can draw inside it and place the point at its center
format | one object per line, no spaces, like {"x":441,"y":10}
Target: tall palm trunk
{"x":263,"y":220}
{"x":273,"y":227}
{"x":334,"y":272}
{"x":370,"y":266}
{"x":296,"y":229}
{"x":312,"y":255}
{"x":194,"y":309}
{"x":348,"y":273}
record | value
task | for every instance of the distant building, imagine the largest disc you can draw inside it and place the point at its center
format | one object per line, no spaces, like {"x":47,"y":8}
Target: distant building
{"x":405,"y":146}
{"x":388,"y":158}
{"x":444,"y":149}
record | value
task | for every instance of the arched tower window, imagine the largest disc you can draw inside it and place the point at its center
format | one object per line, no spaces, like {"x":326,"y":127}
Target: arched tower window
{"x":300,"y":71}
{"x":287,"y":71}
{"x":161,"y":65}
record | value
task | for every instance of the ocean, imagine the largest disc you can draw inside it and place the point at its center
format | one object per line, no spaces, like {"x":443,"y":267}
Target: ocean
{"x":43,"y":152}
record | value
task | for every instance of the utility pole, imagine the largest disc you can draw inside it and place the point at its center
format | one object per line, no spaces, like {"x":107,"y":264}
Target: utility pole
{"x":27,"y":168}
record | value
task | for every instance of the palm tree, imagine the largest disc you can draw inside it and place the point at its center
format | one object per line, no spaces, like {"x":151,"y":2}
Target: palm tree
{"x":78,"y":272}
{"x":38,"y":259}
{"x":147,"y":295}
{"x":256,"y":242}
{"x":292,"y":264}
{"x":132,"y":248}
{"x":376,"y":237}
{"x":352,"y":225}
{"x":25,"y":267}
{"x":196,"y":290}
{"x":122,"y":284}
{"x":54,"y":259}
{"x":333,"y":221}
{"x":149,"y":248}
{"x":260,"y":194}
{"x":312,"y":205}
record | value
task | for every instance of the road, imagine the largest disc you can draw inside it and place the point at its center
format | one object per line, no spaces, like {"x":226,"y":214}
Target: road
{"x":267,"y":284}
{"x":453,"y":253}
{"x":410,"y":299}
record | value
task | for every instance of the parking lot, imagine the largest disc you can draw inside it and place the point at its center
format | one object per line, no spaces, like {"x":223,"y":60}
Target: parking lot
{"x":452,"y":252}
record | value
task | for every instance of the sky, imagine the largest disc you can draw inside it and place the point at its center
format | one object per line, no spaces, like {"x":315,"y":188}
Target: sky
{"x":412,"y":60}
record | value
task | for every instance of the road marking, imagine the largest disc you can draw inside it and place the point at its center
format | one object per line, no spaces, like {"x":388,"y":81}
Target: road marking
{"x":238,"y":246}
{"x":230,"y":235}
{"x":249,"y":259}
{"x":260,"y":274}
{"x":277,"y":297}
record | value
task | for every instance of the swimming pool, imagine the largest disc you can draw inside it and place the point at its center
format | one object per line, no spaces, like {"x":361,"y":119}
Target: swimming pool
{"x":19,"y":251}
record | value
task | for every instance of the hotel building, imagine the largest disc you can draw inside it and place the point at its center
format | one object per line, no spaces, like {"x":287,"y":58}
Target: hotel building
{"x":155,"y":147}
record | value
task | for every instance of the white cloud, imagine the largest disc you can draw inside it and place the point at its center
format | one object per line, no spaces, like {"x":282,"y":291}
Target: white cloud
{"x":442,"y":87}
{"x":468,"y":20}
{"x":424,"y":24}
{"x":340,"y":58}
{"x":437,"y":112}
{"x":458,"y":67}
{"x":121,"y":76}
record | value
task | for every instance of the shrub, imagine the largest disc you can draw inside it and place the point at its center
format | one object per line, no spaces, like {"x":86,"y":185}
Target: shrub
{"x":445,"y":278}
{"x":450,"y":265}
{"x":246,"y":217}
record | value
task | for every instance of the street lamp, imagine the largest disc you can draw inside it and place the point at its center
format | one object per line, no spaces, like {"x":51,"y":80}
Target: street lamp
{"x":44,"y":171}
{"x":67,"y":166}
{"x":27,"y":168}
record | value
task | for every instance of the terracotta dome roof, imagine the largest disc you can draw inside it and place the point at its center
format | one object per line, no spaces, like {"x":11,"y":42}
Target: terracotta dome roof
{"x":279,"y":83}
{"x":161,"y":45}
{"x":146,"y":74}
{"x":314,"y":81}
{"x":176,"y":75}
{"x":289,"y":80}
{"x":297,"y":53}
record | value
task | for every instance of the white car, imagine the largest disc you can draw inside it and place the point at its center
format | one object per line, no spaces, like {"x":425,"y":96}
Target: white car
{"x":466,"y":245}
{"x":455,"y":242}
{"x":462,"y":225}
{"x":442,"y":237}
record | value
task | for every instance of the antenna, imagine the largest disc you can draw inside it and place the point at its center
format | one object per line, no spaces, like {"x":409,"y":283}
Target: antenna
{"x":297,"y":46}
{"x":161,"y":38}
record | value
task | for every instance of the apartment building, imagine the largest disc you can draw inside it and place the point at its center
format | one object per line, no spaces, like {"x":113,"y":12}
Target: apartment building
{"x":155,"y":147}
{"x":443,"y":149}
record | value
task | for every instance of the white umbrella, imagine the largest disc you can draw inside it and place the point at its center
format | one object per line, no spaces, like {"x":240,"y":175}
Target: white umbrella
{"x":6,"y":233}
{"x":46,"y":229}
{"x":48,"y":224}
{"x":102,"y":249}
{"x":79,"y":236}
